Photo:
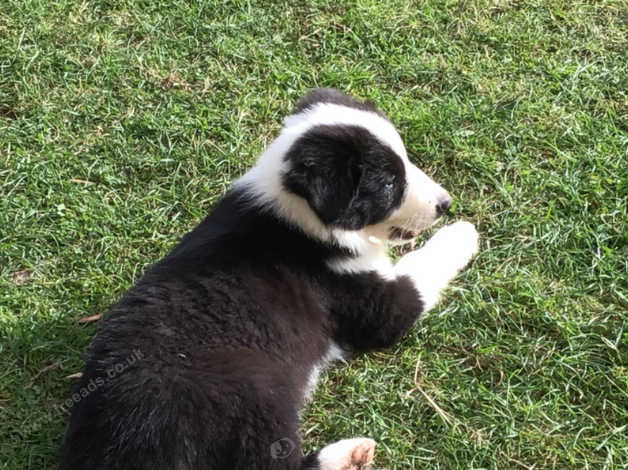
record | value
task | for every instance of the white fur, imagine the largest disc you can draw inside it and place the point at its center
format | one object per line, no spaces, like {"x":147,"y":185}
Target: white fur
{"x":372,"y":258}
{"x":433,"y":266}
{"x":333,"y":114}
{"x":339,"y":455}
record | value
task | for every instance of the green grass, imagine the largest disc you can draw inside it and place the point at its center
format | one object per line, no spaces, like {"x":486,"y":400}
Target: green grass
{"x":520,"y":109}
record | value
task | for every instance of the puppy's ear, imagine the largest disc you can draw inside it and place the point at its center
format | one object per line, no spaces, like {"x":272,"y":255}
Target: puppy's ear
{"x":325,"y":167}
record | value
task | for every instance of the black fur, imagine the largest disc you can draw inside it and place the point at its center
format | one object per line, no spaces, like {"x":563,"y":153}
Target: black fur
{"x":346,"y":175}
{"x":226,"y":329}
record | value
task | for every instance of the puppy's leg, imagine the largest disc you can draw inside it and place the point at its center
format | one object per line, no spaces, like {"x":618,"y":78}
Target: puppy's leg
{"x":434,"y":265}
{"x":348,"y":454}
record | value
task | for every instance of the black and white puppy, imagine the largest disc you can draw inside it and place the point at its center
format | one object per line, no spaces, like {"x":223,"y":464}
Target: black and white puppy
{"x":288,"y":272}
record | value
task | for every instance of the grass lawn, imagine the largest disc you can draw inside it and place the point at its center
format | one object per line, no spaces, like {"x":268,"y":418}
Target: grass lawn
{"x":123,"y":121}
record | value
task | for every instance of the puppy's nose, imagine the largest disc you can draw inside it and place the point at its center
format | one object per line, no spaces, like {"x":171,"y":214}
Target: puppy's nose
{"x":443,"y":204}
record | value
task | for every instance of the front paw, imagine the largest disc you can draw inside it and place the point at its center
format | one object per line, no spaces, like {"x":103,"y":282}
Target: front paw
{"x":436,"y":263}
{"x":457,"y":243}
{"x":448,"y":251}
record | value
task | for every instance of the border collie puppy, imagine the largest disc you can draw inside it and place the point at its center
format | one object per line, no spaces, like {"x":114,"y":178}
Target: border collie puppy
{"x":206,"y":362}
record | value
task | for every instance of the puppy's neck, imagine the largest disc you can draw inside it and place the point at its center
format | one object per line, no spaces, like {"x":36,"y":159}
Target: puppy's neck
{"x":263,"y":192}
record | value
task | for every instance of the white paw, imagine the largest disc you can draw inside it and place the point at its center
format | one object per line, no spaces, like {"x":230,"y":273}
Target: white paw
{"x":348,"y":454}
{"x":437,"y":262}
{"x":457,"y":242}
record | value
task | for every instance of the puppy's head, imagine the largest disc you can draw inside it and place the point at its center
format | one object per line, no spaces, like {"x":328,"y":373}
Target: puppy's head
{"x":348,"y":162}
